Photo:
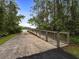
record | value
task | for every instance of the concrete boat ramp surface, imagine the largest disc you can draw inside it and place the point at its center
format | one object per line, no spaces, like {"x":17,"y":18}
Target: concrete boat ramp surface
{"x":25,"y":45}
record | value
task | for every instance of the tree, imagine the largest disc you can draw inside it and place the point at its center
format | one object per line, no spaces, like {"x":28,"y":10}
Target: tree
{"x":2,"y":15}
{"x":9,"y":18}
{"x":57,"y":15}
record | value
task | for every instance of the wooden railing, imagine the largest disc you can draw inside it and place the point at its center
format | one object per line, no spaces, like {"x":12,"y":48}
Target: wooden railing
{"x":53,"y":35}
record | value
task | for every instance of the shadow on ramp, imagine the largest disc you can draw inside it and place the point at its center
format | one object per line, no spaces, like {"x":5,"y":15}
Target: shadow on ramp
{"x":51,"y":54}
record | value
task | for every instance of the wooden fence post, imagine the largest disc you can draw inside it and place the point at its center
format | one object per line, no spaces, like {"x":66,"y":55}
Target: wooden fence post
{"x":36,"y":32}
{"x":68,"y":39}
{"x":58,"y":41}
{"x":39,"y":33}
{"x":46,"y":36}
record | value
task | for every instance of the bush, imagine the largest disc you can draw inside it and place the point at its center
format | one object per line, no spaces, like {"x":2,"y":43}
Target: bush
{"x":15,"y":30}
{"x":75,"y":39}
{"x":19,"y":29}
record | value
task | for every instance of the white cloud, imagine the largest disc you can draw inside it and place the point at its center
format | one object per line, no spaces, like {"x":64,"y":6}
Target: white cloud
{"x":24,"y":22}
{"x":27,"y":25}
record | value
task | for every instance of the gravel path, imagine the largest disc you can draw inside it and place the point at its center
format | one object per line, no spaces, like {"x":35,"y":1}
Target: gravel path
{"x":23,"y":45}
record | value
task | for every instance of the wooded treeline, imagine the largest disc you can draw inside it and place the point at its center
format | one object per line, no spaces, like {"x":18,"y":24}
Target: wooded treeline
{"x":56,"y":15}
{"x":9,"y":18}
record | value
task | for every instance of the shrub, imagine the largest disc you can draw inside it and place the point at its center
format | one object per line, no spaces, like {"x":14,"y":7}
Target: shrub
{"x":75,"y":39}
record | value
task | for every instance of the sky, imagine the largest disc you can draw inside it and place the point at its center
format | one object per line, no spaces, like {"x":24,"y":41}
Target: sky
{"x":25,"y":9}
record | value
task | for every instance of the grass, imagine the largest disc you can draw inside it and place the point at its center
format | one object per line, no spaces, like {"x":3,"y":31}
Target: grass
{"x":6,"y":38}
{"x":73,"y":49}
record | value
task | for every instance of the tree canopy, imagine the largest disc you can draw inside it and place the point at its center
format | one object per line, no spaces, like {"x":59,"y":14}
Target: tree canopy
{"x":56,"y":15}
{"x":9,"y":18}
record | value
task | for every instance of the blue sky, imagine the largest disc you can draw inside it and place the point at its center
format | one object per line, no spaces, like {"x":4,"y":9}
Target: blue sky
{"x":25,"y":9}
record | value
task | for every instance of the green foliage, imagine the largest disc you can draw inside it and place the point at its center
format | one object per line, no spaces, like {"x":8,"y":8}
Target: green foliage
{"x":9,"y":20}
{"x":75,"y":39}
{"x":57,"y":15}
{"x":32,"y":21}
{"x":19,"y":29}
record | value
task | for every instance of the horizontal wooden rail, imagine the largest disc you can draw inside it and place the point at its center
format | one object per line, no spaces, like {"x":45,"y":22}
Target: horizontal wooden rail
{"x":55,"y":35}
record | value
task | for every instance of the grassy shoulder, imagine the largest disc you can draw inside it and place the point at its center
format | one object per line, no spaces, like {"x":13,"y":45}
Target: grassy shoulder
{"x":73,"y":49}
{"x":6,"y":38}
